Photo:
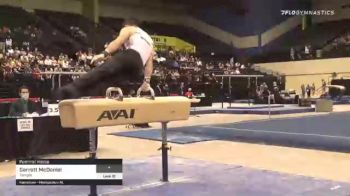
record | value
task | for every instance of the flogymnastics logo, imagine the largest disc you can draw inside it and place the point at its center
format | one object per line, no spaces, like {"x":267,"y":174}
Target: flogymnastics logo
{"x":307,"y":12}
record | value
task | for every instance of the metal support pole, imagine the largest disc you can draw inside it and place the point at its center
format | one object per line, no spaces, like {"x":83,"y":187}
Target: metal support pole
{"x":248,"y":87}
{"x":52,"y":82}
{"x":222,"y":92}
{"x":92,"y":155}
{"x":59,"y":80}
{"x":269,"y":104}
{"x":165,"y":149}
{"x":230,"y":89}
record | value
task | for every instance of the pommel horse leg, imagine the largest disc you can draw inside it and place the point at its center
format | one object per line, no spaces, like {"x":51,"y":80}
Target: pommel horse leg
{"x":92,"y":143}
{"x":165,"y":149}
{"x":164,"y":146}
{"x":93,"y":136}
{"x":92,"y":155}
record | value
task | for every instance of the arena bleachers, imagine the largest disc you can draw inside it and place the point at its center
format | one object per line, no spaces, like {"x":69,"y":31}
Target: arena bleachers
{"x":339,"y":46}
{"x":79,"y":28}
{"x":67,"y":37}
{"x":318,"y":36}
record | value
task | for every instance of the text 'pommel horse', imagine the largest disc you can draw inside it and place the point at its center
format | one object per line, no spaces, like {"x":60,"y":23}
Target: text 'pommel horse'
{"x":93,"y":113}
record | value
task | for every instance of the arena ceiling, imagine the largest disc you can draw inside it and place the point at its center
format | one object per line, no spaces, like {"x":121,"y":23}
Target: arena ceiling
{"x":234,"y":6}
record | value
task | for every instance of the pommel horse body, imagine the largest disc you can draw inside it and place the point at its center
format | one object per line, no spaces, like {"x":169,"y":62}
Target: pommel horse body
{"x":93,"y":113}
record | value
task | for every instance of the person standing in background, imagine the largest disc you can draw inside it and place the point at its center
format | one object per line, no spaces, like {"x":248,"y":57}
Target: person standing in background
{"x":308,"y":91}
{"x":313,"y":88}
{"x":182,"y":89}
{"x":303,"y":90}
{"x":324,"y":86}
{"x":292,"y":54}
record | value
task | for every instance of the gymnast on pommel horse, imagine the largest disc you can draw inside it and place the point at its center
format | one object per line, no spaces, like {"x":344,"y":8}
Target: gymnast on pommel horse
{"x":134,"y":64}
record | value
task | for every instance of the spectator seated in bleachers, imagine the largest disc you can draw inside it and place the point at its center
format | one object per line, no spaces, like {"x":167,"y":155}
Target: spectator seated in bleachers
{"x":189,"y":93}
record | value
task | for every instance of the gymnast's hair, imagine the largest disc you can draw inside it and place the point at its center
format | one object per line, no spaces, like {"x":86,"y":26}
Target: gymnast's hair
{"x":131,"y":22}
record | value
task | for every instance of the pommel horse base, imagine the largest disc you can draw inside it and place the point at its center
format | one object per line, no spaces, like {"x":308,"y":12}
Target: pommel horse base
{"x":111,"y":111}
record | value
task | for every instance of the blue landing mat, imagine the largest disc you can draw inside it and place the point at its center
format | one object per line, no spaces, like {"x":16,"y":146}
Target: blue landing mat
{"x":254,"y":107}
{"x":259,"y":111}
{"x":174,"y":135}
{"x":326,"y":132}
{"x":343,"y":101}
{"x":243,"y":101}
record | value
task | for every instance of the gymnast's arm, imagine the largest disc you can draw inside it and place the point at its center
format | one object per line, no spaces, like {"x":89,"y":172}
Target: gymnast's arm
{"x":116,"y":44}
{"x":124,"y":35}
{"x":149,"y":69}
{"x":147,"y":74}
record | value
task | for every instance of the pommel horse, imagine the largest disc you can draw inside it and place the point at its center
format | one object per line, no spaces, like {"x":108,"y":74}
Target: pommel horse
{"x":117,"y":110}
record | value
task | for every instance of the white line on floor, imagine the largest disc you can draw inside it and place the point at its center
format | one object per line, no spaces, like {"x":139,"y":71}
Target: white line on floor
{"x":147,"y":186}
{"x":335,"y":187}
{"x":279,"y":132}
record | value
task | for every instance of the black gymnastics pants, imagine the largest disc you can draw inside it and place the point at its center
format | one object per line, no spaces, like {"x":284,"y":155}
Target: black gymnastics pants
{"x":125,"y":66}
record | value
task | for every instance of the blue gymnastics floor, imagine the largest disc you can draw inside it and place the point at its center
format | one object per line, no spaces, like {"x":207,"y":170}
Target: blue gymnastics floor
{"x":189,"y":177}
{"x":255,"y":109}
{"x":327,"y":132}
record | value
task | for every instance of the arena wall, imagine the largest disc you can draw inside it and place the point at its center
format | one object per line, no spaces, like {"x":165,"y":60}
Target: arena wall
{"x":341,"y":8}
{"x":255,"y":22}
{"x":309,"y":66}
{"x":309,"y":71}
{"x":259,"y":16}
{"x":295,"y":82}
{"x":144,"y":13}
{"x":226,"y":37}
{"x":278,"y":30}
{"x":71,"y":6}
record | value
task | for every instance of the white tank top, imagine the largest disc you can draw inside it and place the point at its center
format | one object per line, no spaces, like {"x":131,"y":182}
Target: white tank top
{"x":142,"y":43}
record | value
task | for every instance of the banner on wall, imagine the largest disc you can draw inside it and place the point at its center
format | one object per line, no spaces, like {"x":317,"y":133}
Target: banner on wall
{"x":164,"y":42}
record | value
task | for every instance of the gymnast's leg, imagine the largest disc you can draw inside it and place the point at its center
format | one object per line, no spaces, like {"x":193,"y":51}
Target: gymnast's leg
{"x":111,"y":70}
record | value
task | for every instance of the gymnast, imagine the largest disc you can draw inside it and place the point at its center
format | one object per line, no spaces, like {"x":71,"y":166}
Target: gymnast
{"x":336,"y":91}
{"x":134,"y":64}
